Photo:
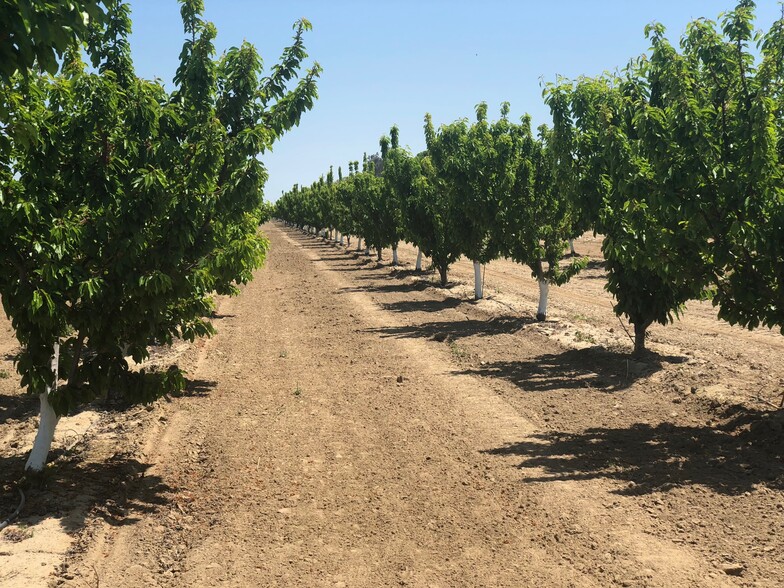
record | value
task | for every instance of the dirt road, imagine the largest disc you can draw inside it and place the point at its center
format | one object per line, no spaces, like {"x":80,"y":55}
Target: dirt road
{"x":352,"y":425}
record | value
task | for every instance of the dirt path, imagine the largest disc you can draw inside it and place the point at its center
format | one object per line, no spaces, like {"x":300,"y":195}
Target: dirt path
{"x":351,"y":425}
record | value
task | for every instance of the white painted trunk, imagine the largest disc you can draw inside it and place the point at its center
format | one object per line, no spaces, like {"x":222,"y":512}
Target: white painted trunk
{"x":359,"y":243}
{"x":394,"y":255}
{"x":478,"y":286}
{"x":571,"y":247}
{"x":341,"y":238}
{"x":544,"y":290}
{"x":419,"y":261}
{"x":367,"y":250}
{"x":47,"y":424}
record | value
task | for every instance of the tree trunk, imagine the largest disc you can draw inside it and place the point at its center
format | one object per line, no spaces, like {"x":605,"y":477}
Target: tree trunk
{"x":46,"y":426}
{"x":442,"y":272}
{"x":348,"y":241}
{"x":419,"y":261}
{"x":394,"y":255}
{"x":478,"y":286}
{"x":341,"y":238}
{"x":378,"y":254}
{"x":640,"y":330}
{"x":571,"y":247}
{"x":367,"y":249}
{"x":359,"y":243}
{"x":544,"y":290}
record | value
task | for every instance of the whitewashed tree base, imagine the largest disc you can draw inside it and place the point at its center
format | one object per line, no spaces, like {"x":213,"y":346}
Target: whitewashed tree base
{"x":478,"y":286}
{"x":419,"y":261}
{"x":47,"y":423}
{"x":544,"y":290}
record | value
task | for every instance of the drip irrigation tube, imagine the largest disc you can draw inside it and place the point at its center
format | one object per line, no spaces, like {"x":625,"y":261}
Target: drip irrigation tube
{"x":15,"y":514}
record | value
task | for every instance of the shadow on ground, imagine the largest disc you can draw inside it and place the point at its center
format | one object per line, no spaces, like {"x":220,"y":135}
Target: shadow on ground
{"x":418,"y":286}
{"x":17,"y":406}
{"x":457,"y":329}
{"x":118,"y":490}
{"x":731,"y":458}
{"x":592,"y":367}
{"x":422,"y":305}
{"x":199,"y":387}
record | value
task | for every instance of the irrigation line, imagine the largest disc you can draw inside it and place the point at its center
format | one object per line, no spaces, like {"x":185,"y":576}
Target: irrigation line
{"x":625,"y":329}
{"x":15,"y":514}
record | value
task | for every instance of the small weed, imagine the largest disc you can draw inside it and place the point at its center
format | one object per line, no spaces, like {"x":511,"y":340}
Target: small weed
{"x":297,"y":391}
{"x":584,"y":337}
{"x":4,"y":375}
{"x":284,"y":354}
{"x":457,"y":351}
{"x":583,"y":318}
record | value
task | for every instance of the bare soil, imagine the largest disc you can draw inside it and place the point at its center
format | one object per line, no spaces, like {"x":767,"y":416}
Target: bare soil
{"x":353,"y":424}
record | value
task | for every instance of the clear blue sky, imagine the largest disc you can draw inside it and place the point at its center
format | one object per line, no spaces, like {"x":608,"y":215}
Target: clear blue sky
{"x":390,"y":62}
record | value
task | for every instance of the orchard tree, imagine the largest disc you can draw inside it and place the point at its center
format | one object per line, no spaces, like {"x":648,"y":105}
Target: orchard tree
{"x":651,"y":271}
{"x":577,"y":153}
{"x":490,"y":171}
{"x":431,"y":209}
{"x":684,"y":152}
{"x":343,"y":205}
{"x":473,"y":211}
{"x":534,"y":218}
{"x":473,"y":163}
{"x":710,"y":120}
{"x":376,"y":216}
{"x":399,"y":175}
{"x":132,"y":207}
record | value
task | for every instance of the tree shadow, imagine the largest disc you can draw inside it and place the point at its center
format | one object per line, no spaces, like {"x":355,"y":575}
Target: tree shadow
{"x":348,"y":267}
{"x":595,"y":264}
{"x":422,"y":305}
{"x":451,"y":330}
{"x":594,"y":367}
{"x":198,"y":388}
{"x":17,"y":407}
{"x":314,"y":245}
{"x":118,"y":490}
{"x":403,"y":272}
{"x":418,"y":286}
{"x":730,"y":459}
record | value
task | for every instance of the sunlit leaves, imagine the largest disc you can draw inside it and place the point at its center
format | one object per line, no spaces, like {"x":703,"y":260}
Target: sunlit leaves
{"x":678,"y":161}
{"x":126,"y":208}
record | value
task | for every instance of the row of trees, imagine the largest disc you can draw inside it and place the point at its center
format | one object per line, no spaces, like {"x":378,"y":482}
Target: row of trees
{"x":677,"y":160}
{"x":480,"y":190}
{"x":124,"y":206}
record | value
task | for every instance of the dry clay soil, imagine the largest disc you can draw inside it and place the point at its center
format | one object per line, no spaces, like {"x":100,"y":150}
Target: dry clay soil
{"x":353,"y":424}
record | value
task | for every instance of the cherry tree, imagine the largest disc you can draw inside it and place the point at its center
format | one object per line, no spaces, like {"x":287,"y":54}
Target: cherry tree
{"x":131,"y":207}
